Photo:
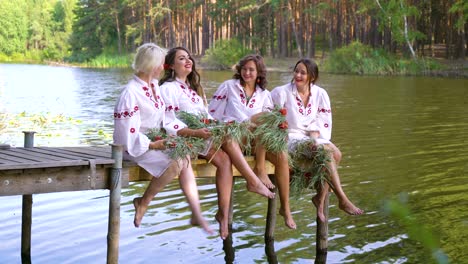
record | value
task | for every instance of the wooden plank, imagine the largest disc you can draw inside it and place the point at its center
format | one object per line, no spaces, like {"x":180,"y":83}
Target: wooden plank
{"x":75,"y":178}
{"x":36,"y":165}
{"x":37,"y":156}
{"x":60,"y":152}
{"x":101,"y":152}
{"x":201,"y":169}
{"x":8,"y":159}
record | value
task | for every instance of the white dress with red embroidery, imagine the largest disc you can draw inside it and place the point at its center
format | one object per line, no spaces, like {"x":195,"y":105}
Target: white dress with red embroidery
{"x":230,"y":102}
{"x":303,"y":119}
{"x":138,"y":109}
{"x":179,"y":97}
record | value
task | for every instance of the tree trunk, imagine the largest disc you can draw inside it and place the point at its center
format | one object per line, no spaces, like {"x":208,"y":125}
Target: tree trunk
{"x":205,"y":29}
{"x":293,"y":26}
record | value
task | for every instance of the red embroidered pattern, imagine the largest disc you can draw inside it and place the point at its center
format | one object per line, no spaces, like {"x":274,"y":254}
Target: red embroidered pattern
{"x":252,"y":100}
{"x":126,"y":114}
{"x":132,"y":130}
{"x":301,"y":107}
{"x":157,"y":101}
{"x":323,"y":110}
{"x":194,"y":98}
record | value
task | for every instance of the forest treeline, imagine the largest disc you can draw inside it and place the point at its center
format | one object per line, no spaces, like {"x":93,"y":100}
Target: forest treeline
{"x":80,"y":30}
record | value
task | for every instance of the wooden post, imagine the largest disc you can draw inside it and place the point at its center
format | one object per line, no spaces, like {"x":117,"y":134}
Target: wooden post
{"x":227,"y":243}
{"x":26,"y":215}
{"x":271,"y":215}
{"x":115,"y":185}
{"x":322,"y":235}
{"x":270,"y":226}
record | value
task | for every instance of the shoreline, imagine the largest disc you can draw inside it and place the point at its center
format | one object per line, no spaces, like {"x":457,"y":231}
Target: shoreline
{"x":454,"y":68}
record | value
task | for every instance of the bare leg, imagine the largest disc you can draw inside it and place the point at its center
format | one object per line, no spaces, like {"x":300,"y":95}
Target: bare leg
{"x":319,"y":199}
{"x":223,"y":187}
{"x":260,"y":169}
{"x":344,"y":203}
{"x":280,"y":161}
{"x":189,"y":187}
{"x":154,"y":187}
{"x":253,"y":182}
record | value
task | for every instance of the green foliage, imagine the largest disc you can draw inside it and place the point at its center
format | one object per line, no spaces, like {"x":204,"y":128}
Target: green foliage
{"x":416,"y":231}
{"x":224,"y":54}
{"x":238,"y":132}
{"x":272,"y":130}
{"x":47,"y":125}
{"x":309,"y":165}
{"x":177,"y":147}
{"x":357,"y":58}
{"x":106,"y":60}
{"x":13,"y":26}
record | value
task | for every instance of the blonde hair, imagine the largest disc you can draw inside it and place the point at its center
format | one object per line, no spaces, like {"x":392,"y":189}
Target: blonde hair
{"x":148,"y":56}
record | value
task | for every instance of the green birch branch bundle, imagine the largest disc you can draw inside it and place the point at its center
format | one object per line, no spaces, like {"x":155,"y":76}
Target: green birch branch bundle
{"x":308,"y":166}
{"x":219,"y":131}
{"x":177,"y":147}
{"x":272,"y":131}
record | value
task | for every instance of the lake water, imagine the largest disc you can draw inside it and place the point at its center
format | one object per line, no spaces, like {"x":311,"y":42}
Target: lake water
{"x":402,"y":138}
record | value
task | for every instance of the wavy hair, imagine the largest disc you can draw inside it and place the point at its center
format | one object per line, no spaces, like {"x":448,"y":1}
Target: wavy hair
{"x":312,"y":70}
{"x":193,"y":78}
{"x":261,"y":70}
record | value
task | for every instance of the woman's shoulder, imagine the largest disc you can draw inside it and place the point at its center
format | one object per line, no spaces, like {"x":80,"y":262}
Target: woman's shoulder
{"x":167,"y":84}
{"x":281,"y":88}
{"x":320,"y":89}
{"x":230,"y":83}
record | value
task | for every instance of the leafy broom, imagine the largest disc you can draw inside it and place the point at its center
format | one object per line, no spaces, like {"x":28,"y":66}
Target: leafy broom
{"x":272,"y":131}
{"x":177,"y":147}
{"x":220,"y":131}
{"x":308,"y":165}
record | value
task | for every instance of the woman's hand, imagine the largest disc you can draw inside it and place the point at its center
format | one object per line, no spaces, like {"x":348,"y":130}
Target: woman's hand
{"x":201,"y":133}
{"x":158,"y":144}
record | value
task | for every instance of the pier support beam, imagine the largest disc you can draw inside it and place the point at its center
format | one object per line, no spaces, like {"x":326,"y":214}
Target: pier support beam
{"x":115,"y":186}
{"x":322,"y":235}
{"x":26,"y":214}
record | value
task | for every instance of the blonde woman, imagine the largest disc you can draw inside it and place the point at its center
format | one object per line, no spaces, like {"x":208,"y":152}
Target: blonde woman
{"x":139,"y":108}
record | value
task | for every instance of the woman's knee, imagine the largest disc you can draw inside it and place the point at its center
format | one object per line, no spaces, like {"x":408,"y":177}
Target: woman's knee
{"x":221,"y":159}
{"x":337,"y":155}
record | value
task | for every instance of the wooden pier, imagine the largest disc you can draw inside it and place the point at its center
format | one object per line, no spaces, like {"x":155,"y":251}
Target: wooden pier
{"x":32,"y":170}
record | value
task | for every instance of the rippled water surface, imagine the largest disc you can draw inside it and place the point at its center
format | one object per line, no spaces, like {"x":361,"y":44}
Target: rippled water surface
{"x":401,"y":138}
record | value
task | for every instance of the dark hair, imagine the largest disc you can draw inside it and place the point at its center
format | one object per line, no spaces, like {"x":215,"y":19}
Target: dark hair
{"x":193,"y":78}
{"x":312,"y":70}
{"x":261,"y":70}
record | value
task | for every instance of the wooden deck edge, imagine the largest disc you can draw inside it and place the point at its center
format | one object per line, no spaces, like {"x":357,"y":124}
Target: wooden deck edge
{"x":201,"y":168}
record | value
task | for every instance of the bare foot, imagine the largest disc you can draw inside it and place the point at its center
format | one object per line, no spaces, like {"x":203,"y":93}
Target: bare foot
{"x":261,"y":189}
{"x":264,"y":178}
{"x":223,"y":225}
{"x":319,"y":205}
{"x":288,"y":220}
{"x":139,"y":211}
{"x":350,"y":208}
{"x":201,"y":222}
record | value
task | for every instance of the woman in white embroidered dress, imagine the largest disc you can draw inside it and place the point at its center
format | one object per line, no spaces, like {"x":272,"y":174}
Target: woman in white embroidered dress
{"x":244,"y":98}
{"x":181,"y":91}
{"x":309,"y":115}
{"x":140,"y":108}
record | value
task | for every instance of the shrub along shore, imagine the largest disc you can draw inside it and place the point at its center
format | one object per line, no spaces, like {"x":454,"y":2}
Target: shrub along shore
{"x":355,"y":58}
